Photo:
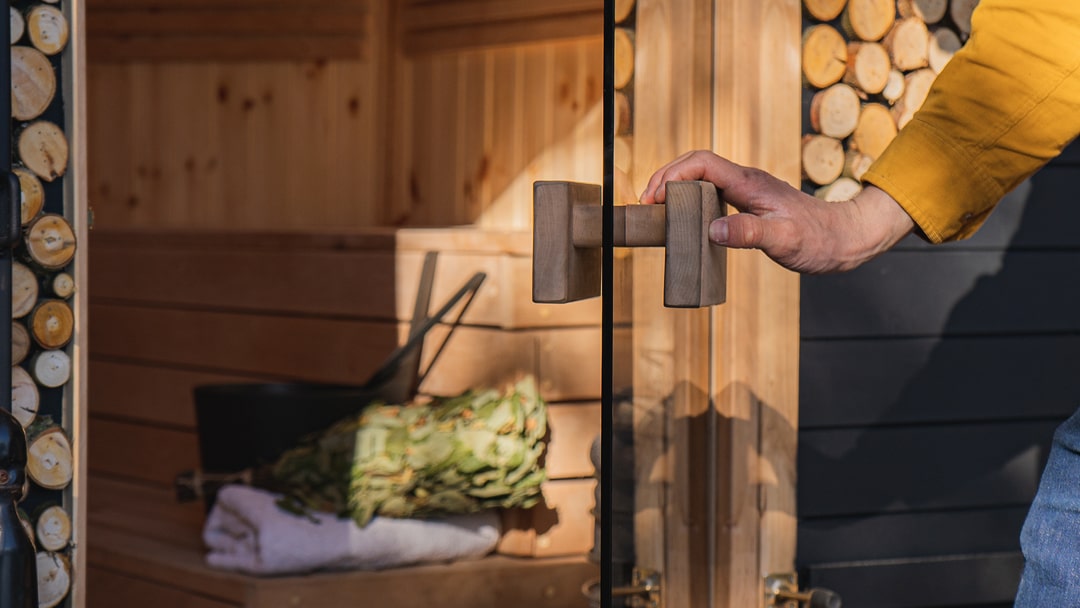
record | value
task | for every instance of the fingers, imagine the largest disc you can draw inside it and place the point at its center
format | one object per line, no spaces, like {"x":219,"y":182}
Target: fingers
{"x":689,"y":166}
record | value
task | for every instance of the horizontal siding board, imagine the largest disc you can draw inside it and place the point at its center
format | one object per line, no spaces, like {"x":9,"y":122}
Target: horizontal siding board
{"x":895,"y":381}
{"x":964,"y":580}
{"x":945,"y":292}
{"x":899,"y":535}
{"x":865,"y":471}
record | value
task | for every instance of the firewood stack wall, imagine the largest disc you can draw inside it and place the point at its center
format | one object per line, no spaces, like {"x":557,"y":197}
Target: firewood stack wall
{"x":43,"y":287}
{"x":868,"y":66}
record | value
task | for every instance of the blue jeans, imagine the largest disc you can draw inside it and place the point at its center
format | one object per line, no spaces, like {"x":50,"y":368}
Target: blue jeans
{"x":1051,"y":535}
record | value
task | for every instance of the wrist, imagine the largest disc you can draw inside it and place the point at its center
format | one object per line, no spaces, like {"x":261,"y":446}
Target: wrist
{"x":879,"y":222}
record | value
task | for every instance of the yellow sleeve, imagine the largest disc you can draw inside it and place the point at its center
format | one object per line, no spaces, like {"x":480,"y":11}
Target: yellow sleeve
{"x":1005,"y":105}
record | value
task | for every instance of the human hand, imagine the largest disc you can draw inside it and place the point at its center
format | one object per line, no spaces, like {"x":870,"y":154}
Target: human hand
{"x":798,"y":231}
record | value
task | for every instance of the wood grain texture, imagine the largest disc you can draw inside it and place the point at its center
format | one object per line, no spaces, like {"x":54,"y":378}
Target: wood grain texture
{"x":226,"y":164}
{"x":668,"y":351}
{"x":562,"y":271}
{"x":170,"y":31}
{"x":695,"y":270}
{"x":110,"y":588}
{"x":150,"y":512}
{"x":352,"y":279}
{"x":756,"y":378}
{"x":150,"y":565}
{"x":139,"y":452}
{"x":561,"y":525}
{"x":430,"y":27}
{"x":373,"y":156}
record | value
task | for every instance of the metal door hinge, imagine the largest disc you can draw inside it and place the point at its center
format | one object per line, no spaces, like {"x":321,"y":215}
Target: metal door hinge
{"x":782,"y":591}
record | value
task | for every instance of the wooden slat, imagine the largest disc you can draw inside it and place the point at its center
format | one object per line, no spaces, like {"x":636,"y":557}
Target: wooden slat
{"x":151,"y":512}
{"x":163,"y":562}
{"x":755,"y":80}
{"x":974,"y":293}
{"x":148,"y":393}
{"x":561,"y":525}
{"x":904,"y":535}
{"x":283,"y":346}
{"x":117,"y":49}
{"x":161,"y":395}
{"x":964,"y":580}
{"x":240,"y":21}
{"x":361,"y":283}
{"x":141,"y":452}
{"x":876,"y":382}
{"x":110,"y":5}
{"x":109,"y":588}
{"x":925,"y":467}
{"x":564,"y":361}
{"x":431,"y":27}
{"x":495,"y":580}
{"x":149,"y":31}
{"x":432,"y":15}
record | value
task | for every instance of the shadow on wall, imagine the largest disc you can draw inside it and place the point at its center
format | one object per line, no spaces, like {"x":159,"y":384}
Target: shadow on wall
{"x":698,"y":477}
{"x":932,"y":380}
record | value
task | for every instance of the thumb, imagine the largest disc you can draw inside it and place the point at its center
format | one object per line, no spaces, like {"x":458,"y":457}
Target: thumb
{"x":740,"y":231}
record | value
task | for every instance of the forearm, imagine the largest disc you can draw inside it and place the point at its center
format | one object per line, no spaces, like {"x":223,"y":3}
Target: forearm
{"x":1004,"y":106}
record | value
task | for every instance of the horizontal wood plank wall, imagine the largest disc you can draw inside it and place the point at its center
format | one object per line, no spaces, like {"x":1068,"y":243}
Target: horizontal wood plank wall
{"x":932,"y":380}
{"x":196,"y":322}
{"x":381,"y":139}
{"x":141,"y":30}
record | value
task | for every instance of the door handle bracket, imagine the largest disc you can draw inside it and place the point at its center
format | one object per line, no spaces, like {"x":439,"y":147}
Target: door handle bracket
{"x":567,"y":228}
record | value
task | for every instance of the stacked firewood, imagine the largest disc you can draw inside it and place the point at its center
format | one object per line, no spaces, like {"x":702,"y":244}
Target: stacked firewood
{"x":43,"y":320}
{"x":869,"y":65}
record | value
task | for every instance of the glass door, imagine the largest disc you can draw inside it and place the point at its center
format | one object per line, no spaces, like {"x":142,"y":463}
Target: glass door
{"x":697,"y":476}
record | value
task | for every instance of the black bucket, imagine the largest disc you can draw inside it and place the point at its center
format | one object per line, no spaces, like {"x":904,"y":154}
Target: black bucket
{"x":243,"y":426}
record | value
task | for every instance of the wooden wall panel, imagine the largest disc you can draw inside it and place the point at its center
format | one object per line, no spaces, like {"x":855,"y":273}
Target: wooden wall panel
{"x":109,"y":588}
{"x":441,"y":25}
{"x":476,"y":128}
{"x":238,"y":145}
{"x":382,"y":139}
{"x":172,"y":30}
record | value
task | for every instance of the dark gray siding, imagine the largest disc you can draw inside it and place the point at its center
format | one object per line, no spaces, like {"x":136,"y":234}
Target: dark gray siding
{"x":931,"y":381}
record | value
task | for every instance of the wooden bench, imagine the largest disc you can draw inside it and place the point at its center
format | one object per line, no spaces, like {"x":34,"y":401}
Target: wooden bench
{"x":171,"y":311}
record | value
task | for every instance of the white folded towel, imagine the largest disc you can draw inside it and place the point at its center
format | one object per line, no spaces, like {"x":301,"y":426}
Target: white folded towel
{"x":247,"y":531}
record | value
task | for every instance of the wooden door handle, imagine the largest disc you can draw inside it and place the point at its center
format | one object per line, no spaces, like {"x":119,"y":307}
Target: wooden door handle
{"x":567,"y":230}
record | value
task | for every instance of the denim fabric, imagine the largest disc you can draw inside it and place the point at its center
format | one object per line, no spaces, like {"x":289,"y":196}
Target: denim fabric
{"x":1051,"y":535}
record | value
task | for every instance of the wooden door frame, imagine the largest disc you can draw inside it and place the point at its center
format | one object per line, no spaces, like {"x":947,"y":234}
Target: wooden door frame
{"x":722,"y":75}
